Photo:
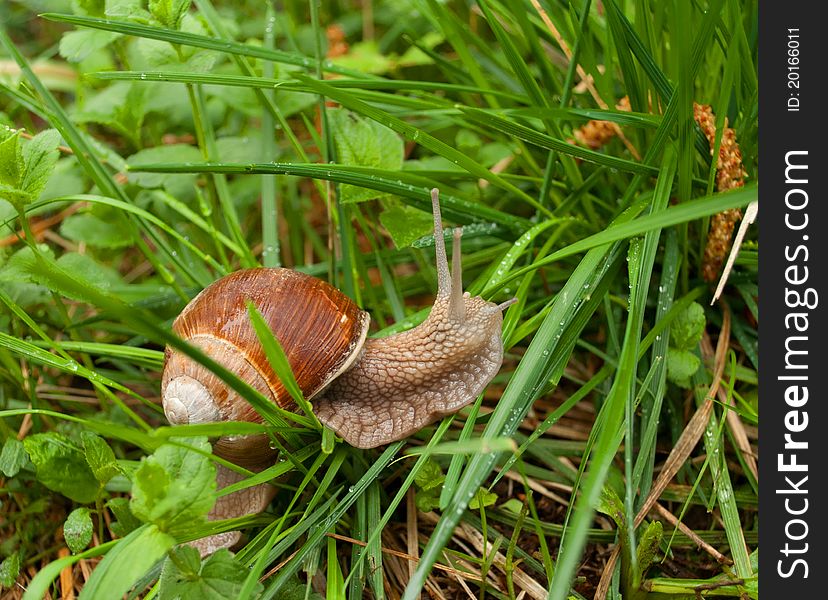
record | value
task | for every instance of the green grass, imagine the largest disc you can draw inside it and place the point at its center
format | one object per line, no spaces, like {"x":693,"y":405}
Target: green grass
{"x":193,"y":141}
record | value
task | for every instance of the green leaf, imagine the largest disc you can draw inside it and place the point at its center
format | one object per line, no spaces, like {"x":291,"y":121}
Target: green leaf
{"x":169,"y":13}
{"x":78,"y":45}
{"x":430,"y":475}
{"x":483,"y":498}
{"x":175,"y":487}
{"x":96,"y":232}
{"x":77,"y":530}
{"x":12,"y":457}
{"x":119,"y":107}
{"x":185,"y":577}
{"x":365,"y":57}
{"x":127,"y":10}
{"x":61,"y":466}
{"x":405,"y":224}
{"x":87,"y":269}
{"x":681,"y":366}
{"x":427,"y":500}
{"x":100,"y":457}
{"x":11,"y":160}
{"x":92,"y":8}
{"x":126,"y":522}
{"x":40,"y":155}
{"x":126,"y":563}
{"x":9,"y":570}
{"x":365,"y":143}
{"x":648,"y":546}
{"x":687,"y":328}
{"x":611,"y":505}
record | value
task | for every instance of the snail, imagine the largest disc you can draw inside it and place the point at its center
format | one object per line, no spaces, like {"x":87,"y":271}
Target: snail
{"x":369,"y":391}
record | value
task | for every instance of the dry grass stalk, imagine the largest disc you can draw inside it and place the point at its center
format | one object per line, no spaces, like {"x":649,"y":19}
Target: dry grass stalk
{"x":521,"y":579}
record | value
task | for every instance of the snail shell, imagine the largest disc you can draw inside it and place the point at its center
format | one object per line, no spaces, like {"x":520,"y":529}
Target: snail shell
{"x":320,"y":329}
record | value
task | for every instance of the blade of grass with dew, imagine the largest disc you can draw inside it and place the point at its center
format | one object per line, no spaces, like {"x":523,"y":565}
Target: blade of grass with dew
{"x":375,"y":179}
{"x":271,"y":109}
{"x":651,"y":406}
{"x":723,"y":485}
{"x":373,"y":550}
{"x":688,"y":211}
{"x":614,"y":409}
{"x":145,"y":357}
{"x":199,"y":41}
{"x":543,"y":140}
{"x":629,"y":74}
{"x":138,"y":438}
{"x":206,"y":141}
{"x":278,"y":361}
{"x":43,"y":357}
{"x":270,"y":207}
{"x":554,"y":416}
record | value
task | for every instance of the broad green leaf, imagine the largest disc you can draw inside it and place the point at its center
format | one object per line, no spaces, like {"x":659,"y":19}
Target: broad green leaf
{"x":103,"y":277}
{"x":483,"y":498}
{"x":681,"y":366}
{"x":430,"y":475}
{"x":92,"y":8}
{"x":61,"y":466}
{"x":11,"y":159}
{"x":611,"y":505}
{"x":175,"y":487}
{"x":40,"y":154}
{"x":169,"y":12}
{"x":365,"y":143}
{"x":12,"y":457}
{"x":427,"y":500}
{"x":126,"y":563}
{"x":100,"y":457}
{"x":648,"y":545}
{"x":687,"y":328}
{"x":126,"y":522}
{"x":78,"y":45}
{"x":19,"y":265}
{"x":119,"y":107}
{"x":9,"y":570}
{"x":405,"y":224}
{"x":185,"y":577}
{"x":95,"y":232}
{"x":128,"y":10}
{"x":77,"y":530}
{"x":161,"y":55}
{"x":365,"y":57}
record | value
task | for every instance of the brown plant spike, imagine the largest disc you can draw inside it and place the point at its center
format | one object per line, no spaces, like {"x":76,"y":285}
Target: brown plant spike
{"x":596,"y":134}
{"x":730,"y":174}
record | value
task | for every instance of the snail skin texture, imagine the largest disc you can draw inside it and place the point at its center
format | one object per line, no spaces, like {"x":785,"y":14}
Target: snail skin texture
{"x":368,"y":391}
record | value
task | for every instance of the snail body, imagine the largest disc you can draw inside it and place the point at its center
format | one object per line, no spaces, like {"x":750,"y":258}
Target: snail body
{"x":368,"y":391}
